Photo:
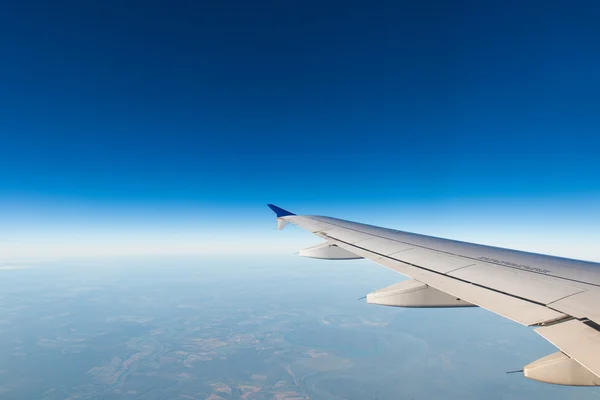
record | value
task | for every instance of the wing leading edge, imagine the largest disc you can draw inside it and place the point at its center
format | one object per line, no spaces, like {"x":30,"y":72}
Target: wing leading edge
{"x":553,"y":294}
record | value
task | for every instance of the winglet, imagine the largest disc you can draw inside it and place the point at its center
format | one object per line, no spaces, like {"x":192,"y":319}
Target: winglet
{"x":281,"y":223}
{"x":280,"y":211}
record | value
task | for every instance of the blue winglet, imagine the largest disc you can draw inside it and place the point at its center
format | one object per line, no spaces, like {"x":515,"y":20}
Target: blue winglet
{"x":280,"y":211}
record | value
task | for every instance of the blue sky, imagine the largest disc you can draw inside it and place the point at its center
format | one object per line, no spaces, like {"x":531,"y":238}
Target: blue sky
{"x":128,"y":123}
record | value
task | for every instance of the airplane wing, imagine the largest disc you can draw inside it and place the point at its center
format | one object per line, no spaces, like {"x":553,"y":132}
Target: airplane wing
{"x":559,"y":297}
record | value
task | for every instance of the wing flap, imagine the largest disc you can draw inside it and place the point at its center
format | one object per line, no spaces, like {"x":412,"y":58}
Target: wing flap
{"x":442,"y":263}
{"x":346,"y":235}
{"x":581,"y":305}
{"x":517,"y":283}
{"x":518,"y":310}
{"x":385,"y":246}
{"x":510,"y":282}
{"x":576,"y":339}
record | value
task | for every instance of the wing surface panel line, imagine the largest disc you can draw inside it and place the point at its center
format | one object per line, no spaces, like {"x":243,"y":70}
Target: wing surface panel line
{"x":456,"y":269}
{"x":458,"y":255}
{"x":444,"y":275}
{"x":400,"y":251}
{"x":378,"y":259}
{"x":564,"y":297}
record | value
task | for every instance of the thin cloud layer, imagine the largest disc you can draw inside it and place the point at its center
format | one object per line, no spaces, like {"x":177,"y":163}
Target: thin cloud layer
{"x":13,"y":267}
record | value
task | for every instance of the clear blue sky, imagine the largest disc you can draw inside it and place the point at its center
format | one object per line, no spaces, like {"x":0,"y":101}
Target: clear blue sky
{"x":153,"y":113}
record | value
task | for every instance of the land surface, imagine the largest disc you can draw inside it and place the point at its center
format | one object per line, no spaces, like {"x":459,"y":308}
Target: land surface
{"x":237,"y":329}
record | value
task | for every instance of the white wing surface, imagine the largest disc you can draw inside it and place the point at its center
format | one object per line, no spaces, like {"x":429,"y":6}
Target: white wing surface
{"x":558,"y":296}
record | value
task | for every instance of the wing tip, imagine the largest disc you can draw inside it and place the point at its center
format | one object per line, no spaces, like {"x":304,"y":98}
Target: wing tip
{"x":279,"y":211}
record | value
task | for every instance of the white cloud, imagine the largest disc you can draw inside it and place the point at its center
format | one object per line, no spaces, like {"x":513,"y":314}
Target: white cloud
{"x":13,"y":267}
{"x":251,"y":242}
